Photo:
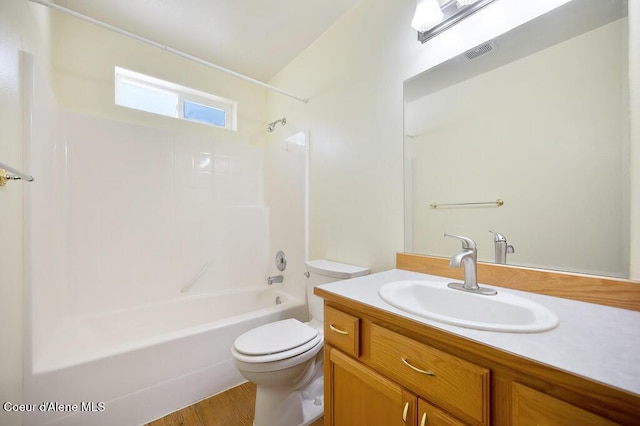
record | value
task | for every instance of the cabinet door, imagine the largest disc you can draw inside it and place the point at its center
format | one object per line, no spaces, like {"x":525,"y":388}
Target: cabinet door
{"x":360,"y":396}
{"x":531,"y":408}
{"x":429,"y":415}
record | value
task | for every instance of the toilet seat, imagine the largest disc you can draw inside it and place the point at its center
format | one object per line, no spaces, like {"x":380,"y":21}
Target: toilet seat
{"x":276,"y":341}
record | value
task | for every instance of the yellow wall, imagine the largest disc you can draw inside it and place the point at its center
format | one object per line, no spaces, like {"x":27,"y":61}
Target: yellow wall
{"x":83,"y":60}
{"x":353,"y":76}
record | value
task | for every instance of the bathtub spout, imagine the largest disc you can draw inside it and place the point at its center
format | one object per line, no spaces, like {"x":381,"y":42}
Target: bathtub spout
{"x":275,"y":279}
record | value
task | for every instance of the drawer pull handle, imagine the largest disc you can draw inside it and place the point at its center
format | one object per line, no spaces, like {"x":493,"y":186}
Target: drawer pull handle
{"x":419,"y":370}
{"x":405,"y":411}
{"x":424,"y":420}
{"x":337,"y":330}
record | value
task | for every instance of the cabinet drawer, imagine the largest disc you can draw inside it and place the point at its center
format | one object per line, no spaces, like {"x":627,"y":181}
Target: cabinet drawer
{"x":531,"y":407}
{"x":456,"y":385}
{"x":342,"y":331}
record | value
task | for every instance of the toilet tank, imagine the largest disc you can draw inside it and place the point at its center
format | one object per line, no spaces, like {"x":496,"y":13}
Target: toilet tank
{"x":326,"y":271}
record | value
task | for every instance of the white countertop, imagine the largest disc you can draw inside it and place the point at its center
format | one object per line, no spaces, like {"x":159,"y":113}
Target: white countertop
{"x":594,"y":341}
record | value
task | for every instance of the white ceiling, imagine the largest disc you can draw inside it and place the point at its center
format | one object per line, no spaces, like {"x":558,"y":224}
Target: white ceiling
{"x":254,"y":37}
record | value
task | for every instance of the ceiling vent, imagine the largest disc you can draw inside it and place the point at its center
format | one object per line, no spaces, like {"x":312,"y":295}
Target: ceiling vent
{"x":480,"y":50}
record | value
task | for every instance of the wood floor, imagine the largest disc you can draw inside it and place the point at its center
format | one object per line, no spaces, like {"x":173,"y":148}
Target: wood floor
{"x":231,"y":408}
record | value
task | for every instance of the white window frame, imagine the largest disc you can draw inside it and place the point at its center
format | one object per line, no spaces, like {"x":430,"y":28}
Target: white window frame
{"x":183,"y":93}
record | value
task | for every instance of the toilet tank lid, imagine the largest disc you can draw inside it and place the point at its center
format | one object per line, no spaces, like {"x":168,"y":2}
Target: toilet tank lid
{"x":328,"y":268}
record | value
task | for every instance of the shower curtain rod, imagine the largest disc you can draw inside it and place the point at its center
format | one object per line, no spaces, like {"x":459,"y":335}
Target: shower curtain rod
{"x":166,"y":48}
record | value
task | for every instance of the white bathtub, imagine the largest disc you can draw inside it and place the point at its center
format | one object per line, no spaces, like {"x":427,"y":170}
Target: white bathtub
{"x":139,"y":364}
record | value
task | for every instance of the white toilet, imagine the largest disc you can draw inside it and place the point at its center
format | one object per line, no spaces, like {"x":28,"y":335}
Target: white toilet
{"x":284,"y":358}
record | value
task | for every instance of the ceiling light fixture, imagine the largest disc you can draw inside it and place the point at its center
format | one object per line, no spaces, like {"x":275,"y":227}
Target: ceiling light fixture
{"x":428,"y":14}
{"x":435,"y":16}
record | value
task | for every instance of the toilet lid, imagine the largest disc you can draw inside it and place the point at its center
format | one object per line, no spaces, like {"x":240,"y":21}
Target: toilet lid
{"x":275,"y":337}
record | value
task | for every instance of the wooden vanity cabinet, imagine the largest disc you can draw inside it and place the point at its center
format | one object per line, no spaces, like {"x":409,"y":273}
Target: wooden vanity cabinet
{"x":396,"y":381}
{"x":456,"y":385}
{"x":430,"y":415}
{"x":384,"y":370}
{"x":342,"y":330}
{"x":361,"y":396}
{"x":531,"y":408}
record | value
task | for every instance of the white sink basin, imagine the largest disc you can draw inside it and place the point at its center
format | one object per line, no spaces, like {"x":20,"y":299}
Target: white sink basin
{"x":501,"y":312}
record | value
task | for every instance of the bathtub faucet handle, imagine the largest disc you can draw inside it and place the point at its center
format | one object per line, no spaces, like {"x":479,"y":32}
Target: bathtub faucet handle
{"x":275,"y":279}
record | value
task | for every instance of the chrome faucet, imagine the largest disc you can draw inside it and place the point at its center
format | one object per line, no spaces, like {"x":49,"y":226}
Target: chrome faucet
{"x":275,"y":279}
{"x":468,"y":258}
{"x":501,"y":247}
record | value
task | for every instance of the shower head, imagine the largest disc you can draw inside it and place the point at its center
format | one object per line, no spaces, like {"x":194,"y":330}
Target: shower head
{"x":272,"y":125}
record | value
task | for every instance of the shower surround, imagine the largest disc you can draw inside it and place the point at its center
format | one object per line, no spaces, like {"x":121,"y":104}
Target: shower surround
{"x":143,"y":244}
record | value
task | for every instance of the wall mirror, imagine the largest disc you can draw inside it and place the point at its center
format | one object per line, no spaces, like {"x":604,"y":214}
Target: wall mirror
{"x":538,"y":118}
